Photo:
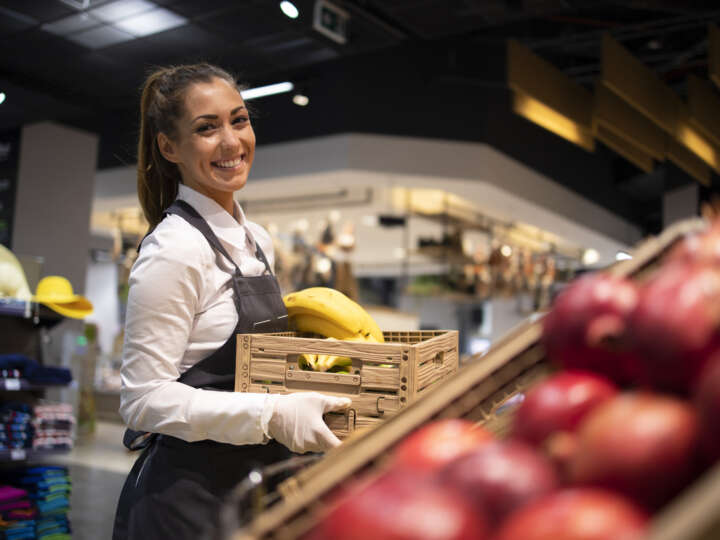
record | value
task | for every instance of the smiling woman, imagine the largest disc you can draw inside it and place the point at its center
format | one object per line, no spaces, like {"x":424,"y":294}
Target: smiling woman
{"x":215,"y":144}
{"x":203,"y":275}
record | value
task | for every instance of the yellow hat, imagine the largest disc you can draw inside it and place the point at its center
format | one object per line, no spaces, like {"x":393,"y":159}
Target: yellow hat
{"x":56,"y":292}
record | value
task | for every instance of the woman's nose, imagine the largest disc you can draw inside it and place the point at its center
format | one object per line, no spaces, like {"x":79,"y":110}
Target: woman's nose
{"x":229,"y":138}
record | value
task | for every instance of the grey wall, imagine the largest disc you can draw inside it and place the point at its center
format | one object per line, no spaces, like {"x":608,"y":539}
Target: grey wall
{"x":680,"y":203}
{"x":56,"y":178}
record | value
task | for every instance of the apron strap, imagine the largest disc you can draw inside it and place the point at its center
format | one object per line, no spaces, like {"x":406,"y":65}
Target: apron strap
{"x":189,"y":214}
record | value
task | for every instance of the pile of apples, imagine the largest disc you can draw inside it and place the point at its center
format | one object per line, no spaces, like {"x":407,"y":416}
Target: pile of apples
{"x":629,"y":419}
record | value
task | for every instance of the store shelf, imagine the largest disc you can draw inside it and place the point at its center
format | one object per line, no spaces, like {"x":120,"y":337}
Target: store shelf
{"x":22,"y":385}
{"x":25,"y":454}
{"x":37,"y":313}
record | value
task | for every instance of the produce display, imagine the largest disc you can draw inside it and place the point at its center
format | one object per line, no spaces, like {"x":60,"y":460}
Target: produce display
{"x":629,"y":418}
{"x":329,"y":313}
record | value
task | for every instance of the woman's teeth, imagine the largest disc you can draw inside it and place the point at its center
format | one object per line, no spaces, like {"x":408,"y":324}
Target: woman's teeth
{"x":228,"y":164}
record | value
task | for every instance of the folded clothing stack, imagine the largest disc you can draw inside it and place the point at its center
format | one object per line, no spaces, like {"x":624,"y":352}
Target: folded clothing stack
{"x":16,"y":425}
{"x":17,"y":512}
{"x":53,"y":424}
{"x":32,"y":371}
{"x":48,"y":488}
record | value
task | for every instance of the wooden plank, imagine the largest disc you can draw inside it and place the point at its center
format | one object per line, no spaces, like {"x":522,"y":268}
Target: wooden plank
{"x":380,"y":378}
{"x":264,"y":369}
{"x":320,"y":377}
{"x":242,"y":364}
{"x":284,"y":345}
{"x":378,"y":356}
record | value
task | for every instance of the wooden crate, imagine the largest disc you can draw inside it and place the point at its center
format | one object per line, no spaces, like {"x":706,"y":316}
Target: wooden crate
{"x":481,"y":391}
{"x":384,"y":378}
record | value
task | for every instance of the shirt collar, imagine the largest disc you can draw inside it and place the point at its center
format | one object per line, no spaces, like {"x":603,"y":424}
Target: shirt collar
{"x":211,"y":211}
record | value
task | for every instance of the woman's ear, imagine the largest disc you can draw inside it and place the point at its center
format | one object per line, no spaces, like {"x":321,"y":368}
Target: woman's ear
{"x":167,"y":148}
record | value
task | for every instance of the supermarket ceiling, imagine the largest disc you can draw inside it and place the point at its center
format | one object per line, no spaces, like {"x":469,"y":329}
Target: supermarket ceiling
{"x":426,"y":68}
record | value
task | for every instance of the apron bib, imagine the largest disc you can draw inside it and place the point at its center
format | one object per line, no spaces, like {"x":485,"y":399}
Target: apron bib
{"x":175,"y":488}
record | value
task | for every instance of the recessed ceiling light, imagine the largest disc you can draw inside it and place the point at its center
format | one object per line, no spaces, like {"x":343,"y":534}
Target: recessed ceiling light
{"x":151,"y":22}
{"x":121,"y":9}
{"x":590,"y":257}
{"x":102,"y":36}
{"x":301,"y":100}
{"x":73,"y":23}
{"x":269,"y":90}
{"x":289,"y":9}
{"x":2,"y":97}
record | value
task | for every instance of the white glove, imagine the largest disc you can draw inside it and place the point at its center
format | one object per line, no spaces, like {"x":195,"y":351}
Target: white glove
{"x":296,"y":421}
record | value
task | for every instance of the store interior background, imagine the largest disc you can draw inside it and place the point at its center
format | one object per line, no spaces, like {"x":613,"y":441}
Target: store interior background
{"x":414,"y":111}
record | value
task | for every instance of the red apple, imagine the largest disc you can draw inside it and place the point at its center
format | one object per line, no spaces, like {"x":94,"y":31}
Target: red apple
{"x":438,"y":443}
{"x":402,"y":506}
{"x":576,"y":514}
{"x":500,"y":477}
{"x":559,"y":403}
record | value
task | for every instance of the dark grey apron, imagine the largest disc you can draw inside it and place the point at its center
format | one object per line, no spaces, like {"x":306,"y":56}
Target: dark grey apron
{"x":175,"y":489}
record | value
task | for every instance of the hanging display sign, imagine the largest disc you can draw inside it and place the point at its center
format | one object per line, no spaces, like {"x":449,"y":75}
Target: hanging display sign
{"x":9,"y":155}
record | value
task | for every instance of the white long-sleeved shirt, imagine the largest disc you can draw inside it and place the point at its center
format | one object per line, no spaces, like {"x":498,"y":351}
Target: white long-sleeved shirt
{"x":180,"y":310}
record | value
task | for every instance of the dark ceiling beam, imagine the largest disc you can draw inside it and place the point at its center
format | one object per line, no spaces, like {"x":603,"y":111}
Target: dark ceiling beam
{"x":381,"y":21}
{"x":630,"y":31}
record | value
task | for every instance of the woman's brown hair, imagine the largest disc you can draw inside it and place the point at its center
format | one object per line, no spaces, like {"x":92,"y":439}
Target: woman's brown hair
{"x":161,"y":106}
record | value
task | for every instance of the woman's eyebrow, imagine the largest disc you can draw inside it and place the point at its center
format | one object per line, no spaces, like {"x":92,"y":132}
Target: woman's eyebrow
{"x":214,"y":116}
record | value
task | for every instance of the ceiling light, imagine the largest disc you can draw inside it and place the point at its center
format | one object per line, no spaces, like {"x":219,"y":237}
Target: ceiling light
{"x":506,"y":250}
{"x":102,"y":36}
{"x":73,"y":23}
{"x":590,"y":257}
{"x":151,"y":22}
{"x":2,"y":97}
{"x":118,"y":10}
{"x":622,"y":256}
{"x":269,"y":90}
{"x":301,"y":100}
{"x":289,"y":9}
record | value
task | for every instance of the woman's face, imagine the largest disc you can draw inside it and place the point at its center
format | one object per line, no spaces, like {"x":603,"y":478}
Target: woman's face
{"x":215,"y":143}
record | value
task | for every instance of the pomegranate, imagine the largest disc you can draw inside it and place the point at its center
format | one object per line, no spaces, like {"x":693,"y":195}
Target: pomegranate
{"x":638,"y":443}
{"x":500,"y":477}
{"x":559,"y":403}
{"x":402,"y":506}
{"x":675,"y":326}
{"x":576,"y":514}
{"x":586,"y":327}
{"x":707,"y":402}
{"x":438,"y":443}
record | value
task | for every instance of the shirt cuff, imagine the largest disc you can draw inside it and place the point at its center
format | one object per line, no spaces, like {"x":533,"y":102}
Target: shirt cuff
{"x":267,"y":413}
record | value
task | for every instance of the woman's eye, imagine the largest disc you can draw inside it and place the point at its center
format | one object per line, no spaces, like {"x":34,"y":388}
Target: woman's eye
{"x":241,"y":120}
{"x":204,"y":127}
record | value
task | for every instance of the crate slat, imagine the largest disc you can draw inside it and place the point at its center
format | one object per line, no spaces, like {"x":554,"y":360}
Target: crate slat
{"x":381,"y":378}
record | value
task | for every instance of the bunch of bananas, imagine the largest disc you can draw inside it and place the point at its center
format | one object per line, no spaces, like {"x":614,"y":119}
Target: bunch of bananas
{"x":325,"y":311}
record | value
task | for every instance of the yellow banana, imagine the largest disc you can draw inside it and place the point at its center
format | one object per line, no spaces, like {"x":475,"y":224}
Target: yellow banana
{"x":324,"y":327}
{"x":333,"y":306}
{"x":308,"y":361}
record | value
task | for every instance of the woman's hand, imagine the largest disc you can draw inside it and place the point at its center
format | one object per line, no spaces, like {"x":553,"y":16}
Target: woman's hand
{"x":296,"y":420}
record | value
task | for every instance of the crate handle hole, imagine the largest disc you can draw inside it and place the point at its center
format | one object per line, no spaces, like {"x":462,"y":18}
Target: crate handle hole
{"x":439,"y":357}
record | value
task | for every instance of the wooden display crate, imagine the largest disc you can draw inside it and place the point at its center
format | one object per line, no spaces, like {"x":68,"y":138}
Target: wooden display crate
{"x":384,"y":377}
{"x":481,"y":391}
